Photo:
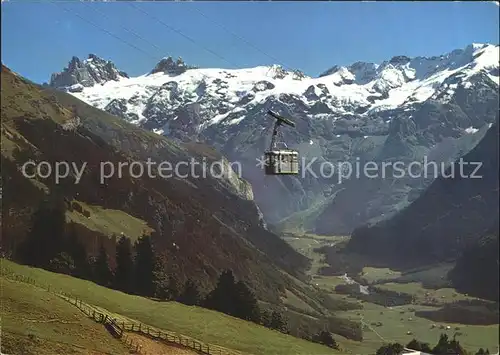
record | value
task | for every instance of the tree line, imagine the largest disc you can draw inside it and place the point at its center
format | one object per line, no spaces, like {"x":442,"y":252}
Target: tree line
{"x":53,"y":245}
{"x":444,"y":346}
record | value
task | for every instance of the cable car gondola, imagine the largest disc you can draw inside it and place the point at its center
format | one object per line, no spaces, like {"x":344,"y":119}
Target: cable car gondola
{"x":280,"y":161}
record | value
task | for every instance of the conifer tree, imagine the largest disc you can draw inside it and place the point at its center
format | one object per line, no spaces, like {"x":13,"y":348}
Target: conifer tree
{"x":190,"y":295}
{"x":265,"y":318}
{"x":233,"y":298}
{"x":419,"y":346}
{"x":245,"y":303}
{"x":78,"y":253}
{"x":324,"y":337}
{"x":221,"y":298}
{"x":161,"y":279}
{"x":45,"y":239}
{"x":144,"y":273}
{"x":102,"y":272}
{"x":278,"y":322}
{"x":390,"y":349}
{"x":124,"y":273}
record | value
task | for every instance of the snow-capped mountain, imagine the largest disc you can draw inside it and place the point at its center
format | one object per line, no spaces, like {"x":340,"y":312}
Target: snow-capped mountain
{"x":342,"y":90}
{"x":401,"y":107}
{"x":86,"y":73}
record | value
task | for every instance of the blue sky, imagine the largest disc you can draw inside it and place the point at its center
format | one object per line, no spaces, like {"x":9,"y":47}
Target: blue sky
{"x":40,"y":38}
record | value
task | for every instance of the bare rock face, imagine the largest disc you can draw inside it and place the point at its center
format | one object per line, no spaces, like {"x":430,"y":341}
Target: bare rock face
{"x":86,"y":73}
{"x":169,"y":66}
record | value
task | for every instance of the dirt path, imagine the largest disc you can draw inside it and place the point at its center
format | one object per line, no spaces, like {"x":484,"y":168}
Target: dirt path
{"x":362,"y":320}
{"x":150,"y":346}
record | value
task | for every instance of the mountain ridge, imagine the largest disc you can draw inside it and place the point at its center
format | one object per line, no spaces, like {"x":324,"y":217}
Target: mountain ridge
{"x":337,"y":119}
{"x":480,"y":57}
{"x":452,"y":213}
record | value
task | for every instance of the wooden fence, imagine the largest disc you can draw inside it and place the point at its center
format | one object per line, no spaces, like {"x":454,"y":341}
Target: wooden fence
{"x":118,"y":329}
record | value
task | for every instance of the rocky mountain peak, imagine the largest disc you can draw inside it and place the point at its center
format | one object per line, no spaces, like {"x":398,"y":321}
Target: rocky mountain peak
{"x":399,"y":60}
{"x":330,"y":71}
{"x":168,"y":65}
{"x":74,"y":63}
{"x":86,"y":73}
{"x":412,"y":67}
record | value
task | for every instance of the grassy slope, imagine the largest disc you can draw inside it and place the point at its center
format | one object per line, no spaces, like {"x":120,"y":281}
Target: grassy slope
{"x":110,"y":222}
{"x":207,"y":326}
{"x":38,"y":322}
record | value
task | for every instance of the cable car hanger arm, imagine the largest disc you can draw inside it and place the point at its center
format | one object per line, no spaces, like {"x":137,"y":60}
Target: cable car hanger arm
{"x":280,"y":119}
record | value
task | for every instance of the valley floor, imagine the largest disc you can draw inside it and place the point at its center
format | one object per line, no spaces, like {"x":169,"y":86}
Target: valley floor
{"x":383,"y":324}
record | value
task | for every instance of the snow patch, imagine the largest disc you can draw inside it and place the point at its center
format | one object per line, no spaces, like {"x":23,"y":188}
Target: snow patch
{"x":236,"y":120}
{"x":471,"y":130}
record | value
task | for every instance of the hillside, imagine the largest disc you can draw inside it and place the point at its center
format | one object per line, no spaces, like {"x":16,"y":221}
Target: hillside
{"x":399,"y":110}
{"x":480,"y":258}
{"x":449,"y":216}
{"x":37,"y":322}
{"x":213,"y":221}
{"x":25,"y":302}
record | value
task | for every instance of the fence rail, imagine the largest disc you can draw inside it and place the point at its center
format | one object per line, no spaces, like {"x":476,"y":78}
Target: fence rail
{"x":119,"y":329}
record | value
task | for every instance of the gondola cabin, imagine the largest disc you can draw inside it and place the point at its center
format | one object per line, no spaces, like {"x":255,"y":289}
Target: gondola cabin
{"x":282,"y":162}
